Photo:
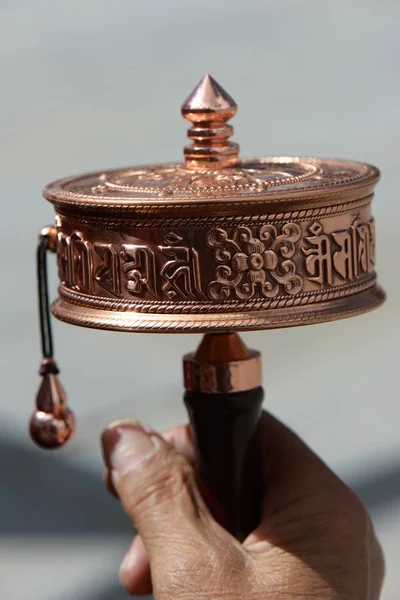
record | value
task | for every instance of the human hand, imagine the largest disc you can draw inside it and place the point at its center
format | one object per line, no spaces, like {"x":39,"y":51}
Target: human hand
{"x":315,"y":540}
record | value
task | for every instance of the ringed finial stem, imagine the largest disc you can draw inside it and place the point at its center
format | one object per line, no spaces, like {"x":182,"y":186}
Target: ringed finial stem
{"x":209,"y":107}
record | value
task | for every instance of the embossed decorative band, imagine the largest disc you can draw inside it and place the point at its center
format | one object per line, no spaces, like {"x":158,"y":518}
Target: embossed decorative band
{"x":202,"y":323}
{"x":169,"y":307}
{"x":258,"y":266}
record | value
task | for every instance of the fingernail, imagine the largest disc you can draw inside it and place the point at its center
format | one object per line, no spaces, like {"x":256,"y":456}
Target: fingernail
{"x":126,"y":444}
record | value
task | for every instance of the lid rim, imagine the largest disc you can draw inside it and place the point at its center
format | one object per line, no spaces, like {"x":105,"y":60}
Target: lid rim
{"x":197,"y":196}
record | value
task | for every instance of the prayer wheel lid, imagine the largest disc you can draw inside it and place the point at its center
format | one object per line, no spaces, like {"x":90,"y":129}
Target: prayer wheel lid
{"x":250,"y":184}
{"x":213,"y":177}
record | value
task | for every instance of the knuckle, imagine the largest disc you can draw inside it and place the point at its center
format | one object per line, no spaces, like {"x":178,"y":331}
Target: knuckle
{"x":354,"y":514}
{"x":349,"y":519}
{"x":167,"y":477}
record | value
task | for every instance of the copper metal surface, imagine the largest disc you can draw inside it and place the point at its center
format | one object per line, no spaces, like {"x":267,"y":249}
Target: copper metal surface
{"x":50,"y":232}
{"x":193,"y":273}
{"x":209,"y":107}
{"x":263,"y":243}
{"x":221,"y":348}
{"x":215,"y":244}
{"x":222,"y":364}
{"x":202,"y":246}
{"x":52,"y":423}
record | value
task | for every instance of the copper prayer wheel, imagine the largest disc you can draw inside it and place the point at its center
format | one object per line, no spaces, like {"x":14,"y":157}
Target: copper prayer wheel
{"x":216,"y":244}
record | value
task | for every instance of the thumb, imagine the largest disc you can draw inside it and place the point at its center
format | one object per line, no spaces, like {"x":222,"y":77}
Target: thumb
{"x":157,"y":487}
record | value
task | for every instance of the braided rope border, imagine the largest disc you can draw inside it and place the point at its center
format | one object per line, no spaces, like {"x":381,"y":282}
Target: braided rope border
{"x":197,"y":204}
{"x":368,"y":300}
{"x":201,"y":307}
{"x":57,"y":193}
{"x":199,"y":222}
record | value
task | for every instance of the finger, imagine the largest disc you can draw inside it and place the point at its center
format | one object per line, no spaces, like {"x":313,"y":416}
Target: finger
{"x":109,"y":484}
{"x":157,"y":487}
{"x":135,"y":573}
{"x":179,"y":437}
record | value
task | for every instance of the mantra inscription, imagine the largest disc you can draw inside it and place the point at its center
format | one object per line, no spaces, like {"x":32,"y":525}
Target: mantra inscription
{"x":132,"y":268}
{"x":350,"y":253}
{"x":221,"y":264}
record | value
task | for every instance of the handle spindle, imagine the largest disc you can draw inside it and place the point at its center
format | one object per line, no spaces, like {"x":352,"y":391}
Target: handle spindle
{"x":224,"y":398}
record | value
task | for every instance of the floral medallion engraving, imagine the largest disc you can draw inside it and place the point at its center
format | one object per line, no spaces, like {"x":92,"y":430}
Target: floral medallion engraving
{"x":250,"y":176}
{"x":254,"y":264}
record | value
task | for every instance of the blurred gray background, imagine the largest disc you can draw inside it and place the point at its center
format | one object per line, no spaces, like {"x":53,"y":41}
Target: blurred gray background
{"x":87,"y":85}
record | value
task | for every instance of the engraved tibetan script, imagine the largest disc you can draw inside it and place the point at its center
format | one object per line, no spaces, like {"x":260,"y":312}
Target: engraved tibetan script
{"x":348,"y":253}
{"x":138,"y":269}
{"x":181,"y":274}
{"x":254,"y":264}
{"x":75,"y":261}
{"x":107,"y":273}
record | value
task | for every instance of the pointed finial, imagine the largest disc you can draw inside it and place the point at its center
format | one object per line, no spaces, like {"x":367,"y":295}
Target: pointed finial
{"x":209,"y":107}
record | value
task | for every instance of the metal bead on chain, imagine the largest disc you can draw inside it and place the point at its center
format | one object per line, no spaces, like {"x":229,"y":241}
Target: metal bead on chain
{"x":52,"y":423}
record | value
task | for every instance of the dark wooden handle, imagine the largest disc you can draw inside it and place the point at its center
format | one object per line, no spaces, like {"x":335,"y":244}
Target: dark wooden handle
{"x":226,"y":435}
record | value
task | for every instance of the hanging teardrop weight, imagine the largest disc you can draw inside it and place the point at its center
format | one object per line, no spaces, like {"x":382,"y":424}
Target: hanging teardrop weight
{"x":52,"y":424}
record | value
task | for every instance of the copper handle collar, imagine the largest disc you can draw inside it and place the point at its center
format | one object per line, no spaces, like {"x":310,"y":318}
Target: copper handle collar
{"x":222,"y":378}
